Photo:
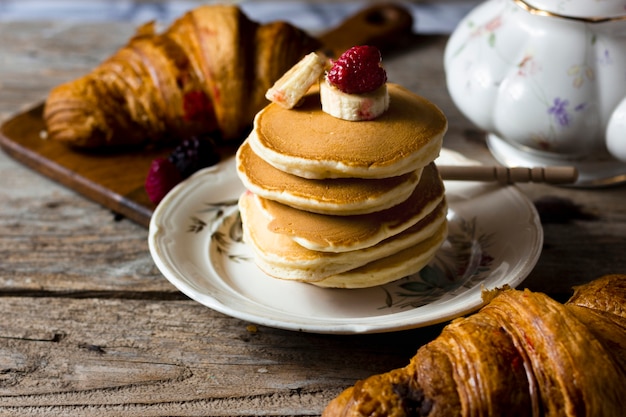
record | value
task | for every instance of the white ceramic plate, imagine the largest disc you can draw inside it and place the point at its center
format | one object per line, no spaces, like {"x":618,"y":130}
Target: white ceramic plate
{"x":195,"y":239}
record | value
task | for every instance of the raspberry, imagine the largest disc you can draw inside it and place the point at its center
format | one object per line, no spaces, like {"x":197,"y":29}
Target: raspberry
{"x":358,"y":70}
{"x":193,"y":154}
{"x":162,"y":177}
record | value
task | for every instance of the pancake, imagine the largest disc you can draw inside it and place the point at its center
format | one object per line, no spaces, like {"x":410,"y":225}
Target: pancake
{"x":279,"y":256}
{"x":339,"y":196}
{"x":309,"y":143}
{"x":391,"y":268}
{"x":327,"y":233}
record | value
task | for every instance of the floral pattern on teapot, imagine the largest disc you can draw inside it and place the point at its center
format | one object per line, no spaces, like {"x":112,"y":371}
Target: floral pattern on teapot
{"x":545,"y":84}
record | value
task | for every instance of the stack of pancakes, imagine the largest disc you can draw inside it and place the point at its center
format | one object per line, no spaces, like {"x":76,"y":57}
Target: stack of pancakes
{"x":344,"y":204}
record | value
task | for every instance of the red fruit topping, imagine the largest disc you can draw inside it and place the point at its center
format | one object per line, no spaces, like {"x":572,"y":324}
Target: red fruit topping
{"x":196,"y":105}
{"x":358,"y":70}
{"x":162,"y":177}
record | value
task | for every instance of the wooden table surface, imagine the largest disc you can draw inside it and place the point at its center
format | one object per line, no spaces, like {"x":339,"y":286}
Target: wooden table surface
{"x":90,"y":327}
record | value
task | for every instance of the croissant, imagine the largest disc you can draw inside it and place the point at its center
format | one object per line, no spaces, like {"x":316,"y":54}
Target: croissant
{"x":523,"y":354}
{"x":208,"y":72}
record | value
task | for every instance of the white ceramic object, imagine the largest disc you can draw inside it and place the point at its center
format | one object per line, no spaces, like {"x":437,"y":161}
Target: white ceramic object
{"x":545,"y":79}
{"x":195,"y":240}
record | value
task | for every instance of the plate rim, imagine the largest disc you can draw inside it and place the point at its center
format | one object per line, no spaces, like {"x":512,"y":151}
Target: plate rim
{"x":396,"y":321}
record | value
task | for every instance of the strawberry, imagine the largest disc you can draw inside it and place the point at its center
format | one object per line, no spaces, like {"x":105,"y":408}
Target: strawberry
{"x":162,"y":177}
{"x":358,"y":70}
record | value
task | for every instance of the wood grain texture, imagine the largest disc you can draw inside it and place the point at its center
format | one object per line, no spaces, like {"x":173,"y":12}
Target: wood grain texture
{"x":112,"y":178}
{"x":156,"y":357}
{"x":90,"y":327}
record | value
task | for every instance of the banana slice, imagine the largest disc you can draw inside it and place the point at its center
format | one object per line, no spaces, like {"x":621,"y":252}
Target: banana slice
{"x":294,"y":84}
{"x":353,"y":107}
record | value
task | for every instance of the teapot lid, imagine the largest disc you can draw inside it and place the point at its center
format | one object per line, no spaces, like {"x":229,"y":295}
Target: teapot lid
{"x":591,"y":10}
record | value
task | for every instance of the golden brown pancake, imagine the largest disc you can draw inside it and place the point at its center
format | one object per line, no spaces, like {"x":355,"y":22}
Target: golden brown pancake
{"x":279,"y":256}
{"x":391,"y":268}
{"x":338,"y":196}
{"x":309,"y":143}
{"x":327,"y":233}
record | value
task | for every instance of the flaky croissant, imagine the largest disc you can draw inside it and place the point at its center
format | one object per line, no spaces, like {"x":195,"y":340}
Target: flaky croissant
{"x":523,"y":354}
{"x":207,"y":72}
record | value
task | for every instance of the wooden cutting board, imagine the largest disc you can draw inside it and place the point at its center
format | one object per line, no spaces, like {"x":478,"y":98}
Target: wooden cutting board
{"x":115,"y":178}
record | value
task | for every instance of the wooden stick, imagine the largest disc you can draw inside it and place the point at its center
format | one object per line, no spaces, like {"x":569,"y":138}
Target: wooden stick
{"x":505,"y":175}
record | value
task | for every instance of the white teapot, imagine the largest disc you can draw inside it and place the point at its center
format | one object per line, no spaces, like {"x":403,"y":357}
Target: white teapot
{"x":547,"y":80}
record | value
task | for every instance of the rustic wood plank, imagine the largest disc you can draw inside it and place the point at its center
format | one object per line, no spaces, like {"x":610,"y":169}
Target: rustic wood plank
{"x":140,"y":357}
{"x":64,"y":243}
{"x":112,"y":178}
{"x":584,"y":236}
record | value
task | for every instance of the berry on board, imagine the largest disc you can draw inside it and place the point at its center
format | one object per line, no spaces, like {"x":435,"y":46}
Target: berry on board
{"x":190,"y":156}
{"x":162,"y":177}
{"x":358,"y":70}
{"x":194,"y":154}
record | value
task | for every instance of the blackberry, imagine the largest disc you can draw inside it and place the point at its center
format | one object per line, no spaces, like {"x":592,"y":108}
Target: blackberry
{"x":194,"y":154}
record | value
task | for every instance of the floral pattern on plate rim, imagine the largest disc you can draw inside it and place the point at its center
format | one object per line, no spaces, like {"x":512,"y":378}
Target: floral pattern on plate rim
{"x":462,"y":262}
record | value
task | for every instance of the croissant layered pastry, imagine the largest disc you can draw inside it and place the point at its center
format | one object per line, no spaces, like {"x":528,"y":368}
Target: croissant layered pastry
{"x":523,"y":354}
{"x":207,"y":73}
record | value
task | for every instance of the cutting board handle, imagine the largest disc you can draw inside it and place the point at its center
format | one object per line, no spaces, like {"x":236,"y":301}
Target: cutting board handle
{"x":382,"y":25}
